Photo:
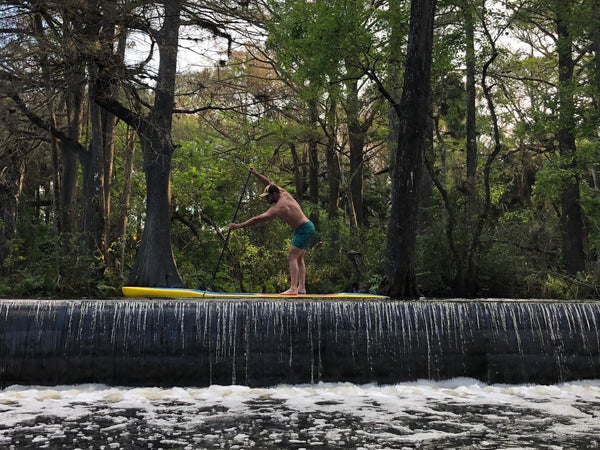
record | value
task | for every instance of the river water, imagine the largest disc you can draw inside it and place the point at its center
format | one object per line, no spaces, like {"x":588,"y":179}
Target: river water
{"x":454,"y":414}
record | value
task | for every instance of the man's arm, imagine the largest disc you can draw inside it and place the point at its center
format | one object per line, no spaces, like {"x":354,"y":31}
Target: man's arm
{"x":261,"y":178}
{"x":267,"y":216}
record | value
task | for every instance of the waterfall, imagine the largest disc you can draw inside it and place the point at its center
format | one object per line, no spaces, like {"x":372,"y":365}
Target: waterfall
{"x":202,"y":342}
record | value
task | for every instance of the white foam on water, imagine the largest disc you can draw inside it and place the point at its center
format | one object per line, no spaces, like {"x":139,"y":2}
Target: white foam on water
{"x":334,"y":415}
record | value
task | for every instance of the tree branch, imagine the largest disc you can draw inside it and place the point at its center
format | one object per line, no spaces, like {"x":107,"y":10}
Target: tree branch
{"x":41,"y":123}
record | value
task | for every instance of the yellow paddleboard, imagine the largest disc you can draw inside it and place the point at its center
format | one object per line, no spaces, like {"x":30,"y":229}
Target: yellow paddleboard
{"x":135,"y":291}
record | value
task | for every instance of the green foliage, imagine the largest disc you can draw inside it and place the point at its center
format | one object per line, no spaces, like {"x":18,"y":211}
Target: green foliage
{"x":53,"y":265}
{"x":253,"y":113}
{"x":312,"y":39}
{"x":561,"y":287}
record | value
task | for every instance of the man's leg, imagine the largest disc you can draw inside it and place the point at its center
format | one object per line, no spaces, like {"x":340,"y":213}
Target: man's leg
{"x":301,"y":273}
{"x":292,"y":257}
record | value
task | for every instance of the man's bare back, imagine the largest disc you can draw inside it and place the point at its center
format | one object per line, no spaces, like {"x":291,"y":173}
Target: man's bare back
{"x":288,"y":210}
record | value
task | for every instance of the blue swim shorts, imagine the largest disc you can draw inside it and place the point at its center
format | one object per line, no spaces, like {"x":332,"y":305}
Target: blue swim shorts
{"x":302,"y":235}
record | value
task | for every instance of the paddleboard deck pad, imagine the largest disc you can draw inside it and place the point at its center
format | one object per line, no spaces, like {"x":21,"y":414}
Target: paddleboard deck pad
{"x":158,"y":292}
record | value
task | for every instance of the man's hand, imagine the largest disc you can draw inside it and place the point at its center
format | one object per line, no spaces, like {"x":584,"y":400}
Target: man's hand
{"x":263,"y":180}
{"x":234,"y":226}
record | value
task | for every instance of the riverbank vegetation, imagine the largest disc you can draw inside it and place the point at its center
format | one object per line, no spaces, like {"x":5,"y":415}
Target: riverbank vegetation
{"x":118,"y":166}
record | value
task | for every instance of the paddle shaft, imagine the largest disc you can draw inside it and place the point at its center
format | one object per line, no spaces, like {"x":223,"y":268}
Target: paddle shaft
{"x":228,"y":233}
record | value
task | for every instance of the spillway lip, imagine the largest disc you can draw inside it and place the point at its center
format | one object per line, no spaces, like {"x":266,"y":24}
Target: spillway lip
{"x":297,"y":299}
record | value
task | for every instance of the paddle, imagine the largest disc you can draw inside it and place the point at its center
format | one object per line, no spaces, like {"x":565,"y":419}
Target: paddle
{"x":228,"y":233}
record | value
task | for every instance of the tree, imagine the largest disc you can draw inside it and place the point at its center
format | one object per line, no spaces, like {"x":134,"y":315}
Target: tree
{"x":322,"y":47}
{"x":563,"y":25}
{"x":501,"y":211}
{"x":67,"y":63}
{"x":471,"y":125}
{"x":399,"y":278}
{"x":155,"y":264}
{"x":11,"y":185}
{"x":571,"y":220}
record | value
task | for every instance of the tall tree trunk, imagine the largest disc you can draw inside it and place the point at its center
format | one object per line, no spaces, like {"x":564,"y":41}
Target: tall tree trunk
{"x":298,"y":172}
{"x":75,"y":95}
{"x":92,"y":168}
{"x":333,"y":172}
{"x":11,"y":187}
{"x":109,"y":120}
{"x":571,"y":219}
{"x":426,"y":189}
{"x":595,"y":168}
{"x":471,"y":282}
{"x":155,"y":264}
{"x":356,"y":143}
{"x":126,"y":195}
{"x":93,"y":160}
{"x":597,"y":49}
{"x":37,"y":25}
{"x":56,"y":182}
{"x":74,"y":100}
{"x":470,"y":94}
{"x":466,"y":282}
{"x":108,"y":153}
{"x":399,"y":279}
{"x":397,"y":34}
{"x":313,"y":162}
{"x":333,"y":167}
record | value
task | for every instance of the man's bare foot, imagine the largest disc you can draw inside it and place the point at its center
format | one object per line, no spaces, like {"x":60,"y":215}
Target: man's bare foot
{"x":301,"y":291}
{"x":290,"y":291}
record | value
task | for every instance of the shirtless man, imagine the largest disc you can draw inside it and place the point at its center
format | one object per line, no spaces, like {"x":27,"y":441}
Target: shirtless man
{"x":288,"y":210}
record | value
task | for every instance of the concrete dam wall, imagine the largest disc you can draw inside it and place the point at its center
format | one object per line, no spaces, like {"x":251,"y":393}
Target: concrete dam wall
{"x":183,"y":342}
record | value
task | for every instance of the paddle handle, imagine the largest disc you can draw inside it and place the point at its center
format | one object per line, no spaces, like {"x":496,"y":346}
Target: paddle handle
{"x":228,"y":233}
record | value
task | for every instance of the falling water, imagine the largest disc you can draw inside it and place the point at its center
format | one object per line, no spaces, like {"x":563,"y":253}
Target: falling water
{"x":267,"y":343}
